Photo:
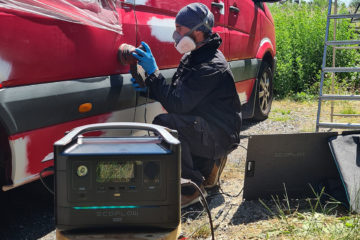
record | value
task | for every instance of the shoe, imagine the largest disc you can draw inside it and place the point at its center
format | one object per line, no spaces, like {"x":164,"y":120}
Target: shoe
{"x":187,"y":200}
{"x":213,"y":179}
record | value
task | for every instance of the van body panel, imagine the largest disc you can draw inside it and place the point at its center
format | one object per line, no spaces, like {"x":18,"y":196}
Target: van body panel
{"x":49,"y":67}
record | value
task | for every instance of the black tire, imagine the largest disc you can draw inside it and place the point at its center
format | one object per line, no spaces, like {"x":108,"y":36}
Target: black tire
{"x":4,"y":156}
{"x":264,"y":94}
{"x":2,"y":168}
{"x":3,"y":195}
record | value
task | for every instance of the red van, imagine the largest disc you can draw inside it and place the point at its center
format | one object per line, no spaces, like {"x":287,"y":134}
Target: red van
{"x":59,"y":68}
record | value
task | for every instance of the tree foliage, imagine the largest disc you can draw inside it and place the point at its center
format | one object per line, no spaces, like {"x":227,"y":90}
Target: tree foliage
{"x":354,"y":4}
{"x":300,"y":36}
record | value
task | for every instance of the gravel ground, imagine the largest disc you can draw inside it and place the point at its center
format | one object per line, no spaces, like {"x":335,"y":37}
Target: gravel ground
{"x":26,"y":212}
{"x":233,"y":217}
{"x":29,"y":212}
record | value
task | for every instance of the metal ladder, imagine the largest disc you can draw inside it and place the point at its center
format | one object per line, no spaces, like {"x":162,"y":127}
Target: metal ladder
{"x":333,"y":70}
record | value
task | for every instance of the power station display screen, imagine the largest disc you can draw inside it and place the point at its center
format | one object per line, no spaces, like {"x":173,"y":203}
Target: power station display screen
{"x":117,"y":172}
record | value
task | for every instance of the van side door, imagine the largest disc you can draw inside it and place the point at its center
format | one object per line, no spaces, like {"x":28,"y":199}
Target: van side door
{"x":244,"y":28}
{"x":156,"y":24}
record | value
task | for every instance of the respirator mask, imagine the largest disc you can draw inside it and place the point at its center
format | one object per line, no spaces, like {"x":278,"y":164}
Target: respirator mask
{"x":185,"y":43}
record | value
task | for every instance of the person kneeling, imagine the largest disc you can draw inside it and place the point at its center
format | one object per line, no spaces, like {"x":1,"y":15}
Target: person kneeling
{"x":201,"y":101}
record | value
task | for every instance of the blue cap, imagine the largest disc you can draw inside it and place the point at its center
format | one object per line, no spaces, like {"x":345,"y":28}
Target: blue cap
{"x":194,"y":14}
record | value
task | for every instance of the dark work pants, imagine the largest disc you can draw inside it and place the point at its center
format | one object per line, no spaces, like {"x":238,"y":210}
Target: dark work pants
{"x":199,"y":145}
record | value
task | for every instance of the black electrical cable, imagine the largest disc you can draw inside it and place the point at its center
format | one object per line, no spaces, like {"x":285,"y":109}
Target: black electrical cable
{"x":147,"y":91}
{"x":190,"y":212}
{"x":239,"y":145}
{"x":137,"y":94}
{"x":189,"y":182}
{"x":242,"y":137}
{"x":136,"y":103}
{"x":204,"y":202}
{"x":222,"y":192}
{"x":145,"y":110}
{"x":146,"y":102}
{"x":220,"y":188}
{"x":48,"y":169}
{"x":229,"y":195}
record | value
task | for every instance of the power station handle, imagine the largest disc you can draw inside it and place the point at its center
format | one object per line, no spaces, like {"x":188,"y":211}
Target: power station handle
{"x":118,"y":125}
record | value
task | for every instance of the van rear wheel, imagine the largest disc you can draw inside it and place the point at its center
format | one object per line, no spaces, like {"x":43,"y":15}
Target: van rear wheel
{"x":264,"y":94}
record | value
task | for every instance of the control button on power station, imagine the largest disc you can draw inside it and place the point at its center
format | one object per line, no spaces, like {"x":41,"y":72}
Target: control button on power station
{"x":82,"y":170}
{"x":152,"y":170}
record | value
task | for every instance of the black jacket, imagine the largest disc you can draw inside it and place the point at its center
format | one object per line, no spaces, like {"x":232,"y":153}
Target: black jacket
{"x":202,"y":86}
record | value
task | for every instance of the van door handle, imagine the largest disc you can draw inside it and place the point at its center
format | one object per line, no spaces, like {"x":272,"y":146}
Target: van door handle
{"x":234,"y":9}
{"x":217,"y":5}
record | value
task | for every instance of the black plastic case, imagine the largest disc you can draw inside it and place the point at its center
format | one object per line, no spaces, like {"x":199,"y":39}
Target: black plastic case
{"x":117,"y":181}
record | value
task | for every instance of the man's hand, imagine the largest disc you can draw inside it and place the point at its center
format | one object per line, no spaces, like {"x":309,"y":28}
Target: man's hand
{"x":137,"y":87}
{"x":146,"y":59}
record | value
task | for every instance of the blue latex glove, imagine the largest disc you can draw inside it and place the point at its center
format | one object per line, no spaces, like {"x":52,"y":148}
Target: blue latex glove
{"x":146,"y":59}
{"x":137,"y":87}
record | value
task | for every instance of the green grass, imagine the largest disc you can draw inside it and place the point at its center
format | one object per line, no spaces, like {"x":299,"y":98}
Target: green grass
{"x":302,"y":97}
{"x":280,"y":115}
{"x":203,"y":232}
{"x":316,"y":221}
{"x":348,"y":110}
{"x":280,"y":118}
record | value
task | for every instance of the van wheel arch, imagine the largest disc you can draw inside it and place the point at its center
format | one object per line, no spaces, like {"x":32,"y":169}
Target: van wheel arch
{"x":264,"y":89}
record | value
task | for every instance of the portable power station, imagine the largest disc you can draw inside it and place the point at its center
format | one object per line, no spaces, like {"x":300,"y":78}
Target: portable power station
{"x":117,"y":181}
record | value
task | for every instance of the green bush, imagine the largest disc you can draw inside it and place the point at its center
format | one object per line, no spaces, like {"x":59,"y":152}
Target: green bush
{"x":300,"y":35}
{"x":302,"y":97}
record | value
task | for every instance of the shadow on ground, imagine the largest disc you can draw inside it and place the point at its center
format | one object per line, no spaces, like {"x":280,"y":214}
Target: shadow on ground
{"x":214,"y":199}
{"x":249,"y":212}
{"x":26,"y":212}
{"x":247,"y":123}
